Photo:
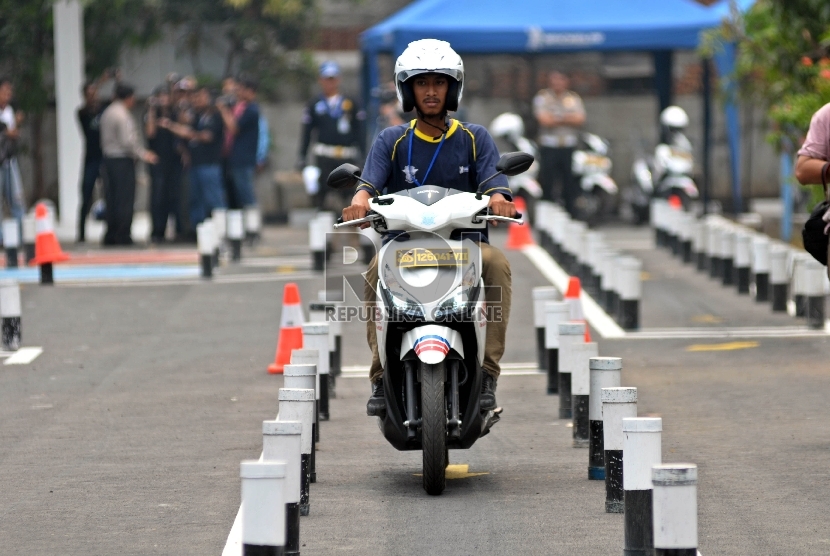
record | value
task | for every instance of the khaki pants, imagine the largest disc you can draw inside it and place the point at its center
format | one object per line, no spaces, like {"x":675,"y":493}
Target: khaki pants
{"x":498,"y":293}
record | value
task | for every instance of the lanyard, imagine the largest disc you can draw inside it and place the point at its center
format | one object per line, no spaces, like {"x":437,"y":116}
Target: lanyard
{"x":434,"y":157}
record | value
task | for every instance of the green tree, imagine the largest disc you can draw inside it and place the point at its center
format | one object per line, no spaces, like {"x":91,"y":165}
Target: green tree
{"x":783,"y":61}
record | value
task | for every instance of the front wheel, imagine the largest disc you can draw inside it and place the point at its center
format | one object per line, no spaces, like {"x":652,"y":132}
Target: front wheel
{"x":433,"y":427}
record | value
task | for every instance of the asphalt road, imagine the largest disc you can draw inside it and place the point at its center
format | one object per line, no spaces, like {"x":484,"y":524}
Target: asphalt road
{"x":125,"y":435}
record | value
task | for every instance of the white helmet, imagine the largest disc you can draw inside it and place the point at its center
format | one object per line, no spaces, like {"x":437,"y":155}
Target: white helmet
{"x":429,"y":56}
{"x":508,"y":125}
{"x":674,"y":117}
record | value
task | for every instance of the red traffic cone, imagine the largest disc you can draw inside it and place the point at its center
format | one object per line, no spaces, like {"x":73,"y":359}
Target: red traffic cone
{"x":519,"y":235}
{"x":47,"y":248}
{"x":291,"y":328}
{"x":572,"y":296}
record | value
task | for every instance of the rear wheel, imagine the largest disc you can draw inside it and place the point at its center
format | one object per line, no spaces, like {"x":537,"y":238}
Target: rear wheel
{"x":433,"y":427}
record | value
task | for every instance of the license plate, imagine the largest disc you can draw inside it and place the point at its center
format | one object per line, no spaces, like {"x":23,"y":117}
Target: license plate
{"x":420,"y":256}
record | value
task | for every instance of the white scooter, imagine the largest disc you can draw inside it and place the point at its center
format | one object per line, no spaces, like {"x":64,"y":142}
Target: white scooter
{"x":591,"y":164}
{"x":431,"y":316}
{"x":509,"y":129}
{"x":668,"y":171}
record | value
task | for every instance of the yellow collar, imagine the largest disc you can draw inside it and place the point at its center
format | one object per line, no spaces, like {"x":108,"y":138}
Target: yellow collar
{"x":427,"y":138}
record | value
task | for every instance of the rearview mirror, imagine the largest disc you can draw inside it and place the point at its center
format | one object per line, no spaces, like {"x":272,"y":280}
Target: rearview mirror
{"x":513,"y":164}
{"x":343,"y":177}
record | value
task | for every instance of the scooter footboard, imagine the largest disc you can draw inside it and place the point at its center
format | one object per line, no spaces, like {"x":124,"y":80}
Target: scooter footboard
{"x":432,"y":343}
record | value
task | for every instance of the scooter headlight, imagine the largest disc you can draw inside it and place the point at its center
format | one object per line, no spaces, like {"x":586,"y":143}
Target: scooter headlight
{"x":462,"y":297}
{"x":396,"y":297}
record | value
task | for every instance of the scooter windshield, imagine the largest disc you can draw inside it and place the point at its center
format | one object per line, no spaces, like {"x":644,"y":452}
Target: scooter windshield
{"x":429,"y":194}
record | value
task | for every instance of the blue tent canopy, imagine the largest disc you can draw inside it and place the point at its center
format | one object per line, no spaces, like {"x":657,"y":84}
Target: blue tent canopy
{"x":531,"y":27}
{"x":544,"y":26}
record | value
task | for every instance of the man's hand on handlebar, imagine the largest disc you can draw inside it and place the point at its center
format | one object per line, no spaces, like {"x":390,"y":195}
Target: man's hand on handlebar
{"x":358,"y":208}
{"x":499,"y":206}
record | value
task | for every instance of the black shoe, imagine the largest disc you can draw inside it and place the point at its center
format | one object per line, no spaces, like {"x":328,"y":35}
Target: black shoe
{"x":376,"y":406}
{"x":488,"y":393}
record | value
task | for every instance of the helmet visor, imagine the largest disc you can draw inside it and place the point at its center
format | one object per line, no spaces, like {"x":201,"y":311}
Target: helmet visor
{"x":405,"y":75}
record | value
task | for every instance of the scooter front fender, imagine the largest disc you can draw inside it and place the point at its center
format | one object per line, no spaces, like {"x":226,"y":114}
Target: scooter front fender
{"x":431,"y":343}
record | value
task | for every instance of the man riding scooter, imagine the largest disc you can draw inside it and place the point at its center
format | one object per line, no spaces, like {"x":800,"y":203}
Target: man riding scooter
{"x":436,"y":149}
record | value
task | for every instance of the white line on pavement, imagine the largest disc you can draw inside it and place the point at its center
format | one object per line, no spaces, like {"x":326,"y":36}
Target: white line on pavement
{"x":719,"y":333}
{"x":23,"y":356}
{"x":596,"y":317}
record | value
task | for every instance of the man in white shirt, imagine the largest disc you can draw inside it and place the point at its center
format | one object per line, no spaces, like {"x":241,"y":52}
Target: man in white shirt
{"x":121,"y":145}
{"x":11,"y":184}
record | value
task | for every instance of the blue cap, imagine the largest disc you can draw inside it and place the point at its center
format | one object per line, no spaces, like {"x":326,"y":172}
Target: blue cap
{"x":329,"y":69}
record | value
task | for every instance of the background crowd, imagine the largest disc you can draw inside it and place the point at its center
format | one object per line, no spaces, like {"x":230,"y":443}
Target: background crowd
{"x":203,"y":148}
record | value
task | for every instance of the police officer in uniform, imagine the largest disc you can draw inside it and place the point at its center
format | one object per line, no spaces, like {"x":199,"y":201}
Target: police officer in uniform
{"x":560,"y":113}
{"x":339,"y":123}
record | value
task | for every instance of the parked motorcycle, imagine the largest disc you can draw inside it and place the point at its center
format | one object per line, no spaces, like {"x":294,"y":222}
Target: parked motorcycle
{"x":431,"y":315}
{"x":591,"y":164}
{"x":669,"y":171}
{"x":509,"y":129}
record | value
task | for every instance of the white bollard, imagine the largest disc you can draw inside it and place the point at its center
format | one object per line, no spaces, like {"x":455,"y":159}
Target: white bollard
{"x":541,"y":295}
{"x":760,"y":267}
{"x":322,"y":311}
{"x":608,"y":270}
{"x":713,"y":249}
{"x":727,"y":256}
{"x":605,"y":373}
{"x":593,"y":243}
{"x":571,"y":335}
{"x":630,"y":288}
{"x":795,"y":265}
{"x":743,"y":255}
{"x":263,"y":507}
{"x":219,"y":217}
{"x":675,"y":509}
{"x":205,"y":243}
{"x":642,"y":450}
{"x":581,"y":392}
{"x":559,"y":232}
{"x":687,"y":228}
{"x":617,"y":404}
{"x":778,"y":277}
{"x":253,"y":224}
{"x":555,"y":312}
{"x":298,"y":405}
{"x":11,"y":241}
{"x":282,"y":441}
{"x":814,"y":276}
{"x":29,"y":236}
{"x":236,"y":233}
{"x":305,"y":358}
{"x":317,"y":243}
{"x":699,"y":231}
{"x":316,"y":336}
{"x":10,"y":311}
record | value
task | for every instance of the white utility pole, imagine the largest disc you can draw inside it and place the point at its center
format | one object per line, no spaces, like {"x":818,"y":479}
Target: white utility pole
{"x":69,"y":78}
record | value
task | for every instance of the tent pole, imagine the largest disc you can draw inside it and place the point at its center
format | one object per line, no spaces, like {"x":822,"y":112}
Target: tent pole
{"x":663,"y":81}
{"x":707,"y":132}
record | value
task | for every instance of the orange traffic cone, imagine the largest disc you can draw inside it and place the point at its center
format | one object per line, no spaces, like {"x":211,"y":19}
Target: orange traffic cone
{"x":47,"y":248}
{"x":291,"y":328}
{"x":572,"y":297}
{"x":519,"y":235}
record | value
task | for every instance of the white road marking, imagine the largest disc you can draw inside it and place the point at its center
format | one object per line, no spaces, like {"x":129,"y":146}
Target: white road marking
{"x":220,"y":279}
{"x":720,"y":333}
{"x":23,"y":356}
{"x":596,"y":317}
